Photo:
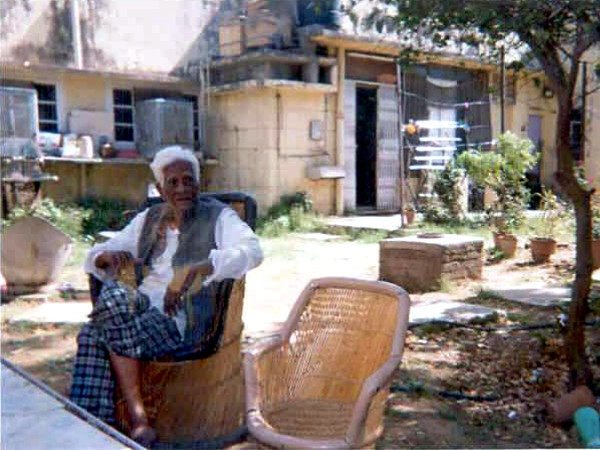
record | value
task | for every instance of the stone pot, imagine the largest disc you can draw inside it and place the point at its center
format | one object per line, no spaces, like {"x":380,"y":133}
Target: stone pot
{"x":506,"y":243}
{"x":542,"y":249}
{"x":562,"y":410}
{"x":595,"y":254}
{"x":409,"y":215}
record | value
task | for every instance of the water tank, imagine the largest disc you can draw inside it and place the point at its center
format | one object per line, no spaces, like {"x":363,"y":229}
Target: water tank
{"x":161,"y":122}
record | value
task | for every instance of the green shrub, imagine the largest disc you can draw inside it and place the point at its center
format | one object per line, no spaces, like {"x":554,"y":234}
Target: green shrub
{"x":104,"y":215}
{"x":67,"y":218}
{"x":503,"y":170}
{"x":292,"y":213}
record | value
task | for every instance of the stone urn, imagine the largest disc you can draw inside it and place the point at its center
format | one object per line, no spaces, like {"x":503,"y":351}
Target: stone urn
{"x":595,"y":254}
{"x":506,"y":243}
{"x":33,"y":254}
{"x":542,"y":249}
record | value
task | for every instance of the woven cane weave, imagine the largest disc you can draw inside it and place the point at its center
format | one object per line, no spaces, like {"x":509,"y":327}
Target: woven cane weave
{"x":197,"y":400}
{"x":308,"y":385}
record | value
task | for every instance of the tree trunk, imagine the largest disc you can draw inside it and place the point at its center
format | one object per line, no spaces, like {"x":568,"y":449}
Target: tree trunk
{"x":579,"y":370}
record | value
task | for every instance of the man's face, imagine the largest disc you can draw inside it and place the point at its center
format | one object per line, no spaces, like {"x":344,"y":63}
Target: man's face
{"x":179,"y":187}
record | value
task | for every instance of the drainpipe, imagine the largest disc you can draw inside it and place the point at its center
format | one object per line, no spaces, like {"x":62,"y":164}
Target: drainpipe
{"x":76,"y":33}
{"x":339,"y":130}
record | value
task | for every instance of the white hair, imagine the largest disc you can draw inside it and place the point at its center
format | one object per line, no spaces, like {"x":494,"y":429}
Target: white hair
{"x":169,"y":155}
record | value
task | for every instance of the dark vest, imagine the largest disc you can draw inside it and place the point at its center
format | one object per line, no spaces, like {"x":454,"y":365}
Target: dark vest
{"x":196,"y":240}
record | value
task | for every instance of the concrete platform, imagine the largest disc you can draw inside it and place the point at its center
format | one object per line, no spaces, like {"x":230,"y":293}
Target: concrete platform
{"x":373,"y":223}
{"x":450,"y":311}
{"x":33,"y":418}
{"x":534,"y":294}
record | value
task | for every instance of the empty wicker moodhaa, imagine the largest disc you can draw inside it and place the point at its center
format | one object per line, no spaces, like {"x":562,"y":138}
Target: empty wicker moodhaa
{"x":323,"y":381}
{"x":198,"y":400}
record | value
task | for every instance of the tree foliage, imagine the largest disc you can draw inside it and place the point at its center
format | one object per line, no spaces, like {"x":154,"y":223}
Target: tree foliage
{"x":554,"y":33}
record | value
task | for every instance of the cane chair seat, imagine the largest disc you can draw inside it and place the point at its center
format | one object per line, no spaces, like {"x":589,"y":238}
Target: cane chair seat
{"x":323,"y":381}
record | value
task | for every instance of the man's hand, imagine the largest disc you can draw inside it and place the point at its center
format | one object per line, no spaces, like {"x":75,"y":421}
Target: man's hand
{"x":173,"y":302}
{"x":113,"y":261}
{"x":177,"y":290}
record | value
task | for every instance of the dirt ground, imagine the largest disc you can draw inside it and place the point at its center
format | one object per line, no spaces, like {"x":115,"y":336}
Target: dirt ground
{"x":466,"y":387}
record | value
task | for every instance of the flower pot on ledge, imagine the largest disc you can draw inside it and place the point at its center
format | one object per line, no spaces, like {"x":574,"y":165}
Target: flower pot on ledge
{"x":409,"y":215}
{"x":542,"y":249}
{"x":506,"y":243}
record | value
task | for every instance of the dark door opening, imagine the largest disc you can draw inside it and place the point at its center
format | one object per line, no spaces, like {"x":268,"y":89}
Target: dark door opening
{"x":366,"y":147}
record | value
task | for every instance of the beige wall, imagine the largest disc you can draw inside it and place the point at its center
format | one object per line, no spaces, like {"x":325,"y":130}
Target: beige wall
{"x":261,"y":138}
{"x":530,"y":102}
{"x":592,"y":143}
{"x":123,"y":182}
{"x":90,"y":91}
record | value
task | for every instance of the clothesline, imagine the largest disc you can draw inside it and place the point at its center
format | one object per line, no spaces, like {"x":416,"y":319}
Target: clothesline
{"x":466,"y":104}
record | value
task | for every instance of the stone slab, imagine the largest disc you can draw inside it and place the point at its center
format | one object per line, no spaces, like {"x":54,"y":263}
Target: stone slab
{"x":382,"y":223}
{"x":535,"y":294}
{"x":445,"y":240}
{"x":320,"y":237}
{"x":443,"y":310}
{"x":54,"y":312}
{"x":32,"y":419}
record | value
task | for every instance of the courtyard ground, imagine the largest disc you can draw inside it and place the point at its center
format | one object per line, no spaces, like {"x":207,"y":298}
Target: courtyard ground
{"x":476,"y":385}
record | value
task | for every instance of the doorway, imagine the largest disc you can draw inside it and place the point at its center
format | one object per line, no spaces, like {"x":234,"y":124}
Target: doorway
{"x":366,"y":147}
{"x":534,"y":133}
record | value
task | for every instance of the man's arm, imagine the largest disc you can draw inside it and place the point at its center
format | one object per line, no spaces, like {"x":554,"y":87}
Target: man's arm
{"x":238,"y":249}
{"x":117,"y":250}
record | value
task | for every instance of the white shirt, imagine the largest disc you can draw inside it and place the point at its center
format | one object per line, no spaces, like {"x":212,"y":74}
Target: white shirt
{"x":237,"y":252}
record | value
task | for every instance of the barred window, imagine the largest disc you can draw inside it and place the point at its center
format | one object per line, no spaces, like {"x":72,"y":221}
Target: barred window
{"x":47,"y":107}
{"x":124,"y":112}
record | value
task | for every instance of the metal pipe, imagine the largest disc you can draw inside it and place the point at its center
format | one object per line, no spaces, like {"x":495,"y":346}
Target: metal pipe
{"x":583,"y":110}
{"x":400,"y":138}
{"x":339,"y":130}
{"x":502,"y":89}
{"x":76,"y":34}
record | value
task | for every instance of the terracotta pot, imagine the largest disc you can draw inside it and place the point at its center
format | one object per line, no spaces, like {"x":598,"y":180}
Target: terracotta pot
{"x":562,"y":410}
{"x":506,"y":243}
{"x":409,"y":216}
{"x":542,"y":249}
{"x":595,"y":254}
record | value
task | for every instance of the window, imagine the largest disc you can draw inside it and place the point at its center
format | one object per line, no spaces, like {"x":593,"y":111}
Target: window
{"x":194,"y":100}
{"x":576,"y":152}
{"x":123,"y":109}
{"x":47,"y":107}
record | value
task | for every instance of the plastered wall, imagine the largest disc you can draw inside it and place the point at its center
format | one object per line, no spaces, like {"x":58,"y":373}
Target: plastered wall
{"x":261,"y":139}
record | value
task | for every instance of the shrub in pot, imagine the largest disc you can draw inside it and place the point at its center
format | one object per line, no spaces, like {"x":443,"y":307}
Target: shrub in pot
{"x":503,"y":171}
{"x":543,"y":243}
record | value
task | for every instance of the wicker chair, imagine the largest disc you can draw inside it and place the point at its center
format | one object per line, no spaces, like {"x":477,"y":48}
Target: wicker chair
{"x":322,"y":382}
{"x":199,"y":400}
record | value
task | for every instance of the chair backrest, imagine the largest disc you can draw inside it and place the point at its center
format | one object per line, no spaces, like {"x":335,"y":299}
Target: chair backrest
{"x":340,"y":332}
{"x":241,"y":202}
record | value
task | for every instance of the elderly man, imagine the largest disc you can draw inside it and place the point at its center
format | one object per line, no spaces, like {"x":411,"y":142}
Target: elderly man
{"x":186,"y":234}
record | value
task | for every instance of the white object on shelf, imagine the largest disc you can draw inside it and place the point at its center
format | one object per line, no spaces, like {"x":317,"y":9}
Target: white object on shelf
{"x":326,"y":172}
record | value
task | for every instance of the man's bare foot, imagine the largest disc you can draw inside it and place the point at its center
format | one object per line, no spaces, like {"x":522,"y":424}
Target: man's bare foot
{"x":144,"y":435}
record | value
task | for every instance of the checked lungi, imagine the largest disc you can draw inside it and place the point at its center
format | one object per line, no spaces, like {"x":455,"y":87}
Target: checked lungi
{"x":123,"y":322}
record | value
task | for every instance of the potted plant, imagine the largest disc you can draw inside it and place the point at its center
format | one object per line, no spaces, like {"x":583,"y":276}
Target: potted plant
{"x":543,"y":244}
{"x":503,"y":171}
{"x":505,"y":240}
{"x":409,"y":214}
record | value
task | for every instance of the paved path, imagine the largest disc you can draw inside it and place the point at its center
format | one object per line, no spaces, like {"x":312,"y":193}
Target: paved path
{"x":534,"y":294}
{"x":33,"y":419}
